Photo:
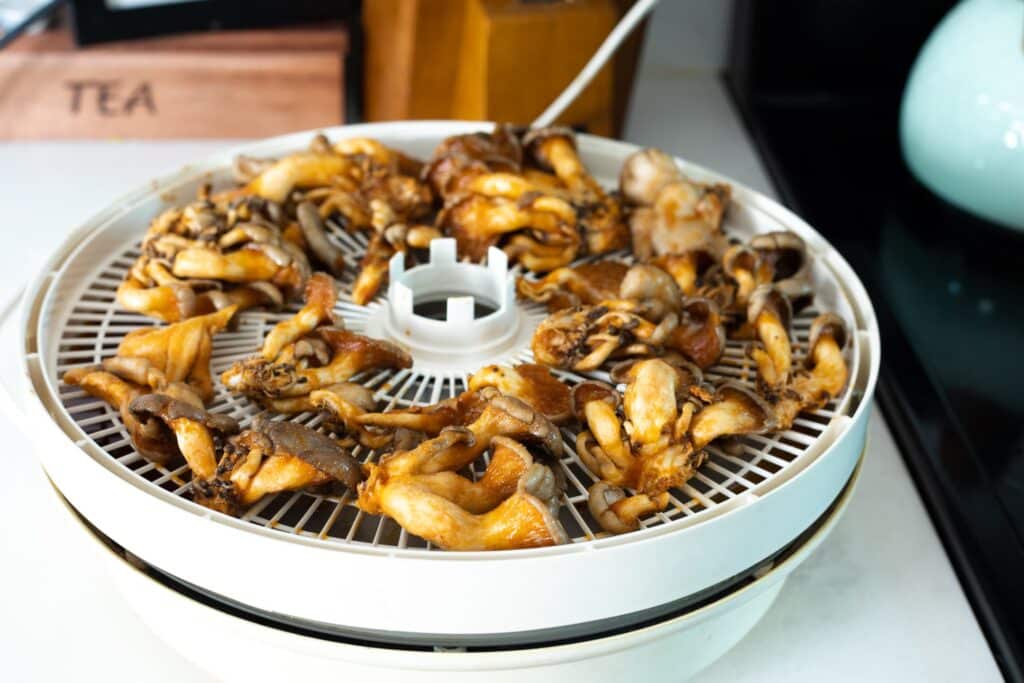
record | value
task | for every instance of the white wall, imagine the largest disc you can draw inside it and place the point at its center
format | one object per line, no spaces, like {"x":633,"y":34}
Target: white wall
{"x":691,"y":35}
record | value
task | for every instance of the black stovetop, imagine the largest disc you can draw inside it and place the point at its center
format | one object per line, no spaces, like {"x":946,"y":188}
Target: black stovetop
{"x":949,"y":292}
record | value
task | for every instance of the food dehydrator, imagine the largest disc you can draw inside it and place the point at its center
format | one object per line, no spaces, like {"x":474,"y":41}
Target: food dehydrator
{"x":309,"y":584}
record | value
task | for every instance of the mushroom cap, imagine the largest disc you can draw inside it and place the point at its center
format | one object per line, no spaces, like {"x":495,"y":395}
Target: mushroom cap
{"x":166,"y":409}
{"x":769,"y":298}
{"x":827,"y":324}
{"x":533,"y":426}
{"x":315,"y":233}
{"x":786,"y":250}
{"x":740,"y":257}
{"x":592,"y":390}
{"x":600,"y":498}
{"x":353,"y":393}
{"x":753,"y":402}
{"x":645,"y":281}
{"x":700,"y":335}
{"x":378,"y":353}
{"x":688,"y":373}
{"x":535,"y":137}
{"x":319,"y":450}
{"x":644,"y":173}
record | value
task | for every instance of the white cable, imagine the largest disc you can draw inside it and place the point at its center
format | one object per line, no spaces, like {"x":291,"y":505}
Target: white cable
{"x":625,"y":26}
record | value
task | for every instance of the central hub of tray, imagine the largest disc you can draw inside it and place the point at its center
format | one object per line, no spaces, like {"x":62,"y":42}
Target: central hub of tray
{"x":450,"y":309}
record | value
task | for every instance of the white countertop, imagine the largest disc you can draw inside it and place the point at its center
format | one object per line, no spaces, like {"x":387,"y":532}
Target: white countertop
{"x":879,"y":600}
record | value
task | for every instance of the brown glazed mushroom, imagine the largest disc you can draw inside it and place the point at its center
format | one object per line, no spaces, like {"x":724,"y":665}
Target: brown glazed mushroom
{"x":191,"y":430}
{"x":686,"y":268}
{"x":770,"y":315}
{"x":315,"y":234}
{"x":319,"y":310}
{"x":532,"y":384}
{"x":599,"y":214}
{"x":350,"y":353}
{"x":343,"y":405}
{"x":585,"y":284}
{"x":823,"y":376}
{"x":787,"y":256}
{"x":747,"y":269}
{"x":513,"y":505}
{"x":699,"y":335}
{"x":457,"y":411}
{"x":158,"y":356}
{"x":270,"y":457}
{"x":654,"y":439}
{"x":478,"y":222}
{"x":528,"y":518}
{"x":645,"y":173}
{"x":148,"y":437}
{"x":686,"y":216}
{"x":298,"y":171}
{"x":456,"y":447}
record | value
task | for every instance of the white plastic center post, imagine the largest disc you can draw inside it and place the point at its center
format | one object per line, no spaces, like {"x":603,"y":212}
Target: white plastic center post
{"x":461,"y":285}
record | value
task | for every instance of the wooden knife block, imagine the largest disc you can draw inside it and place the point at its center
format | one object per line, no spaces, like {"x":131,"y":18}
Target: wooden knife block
{"x":500,"y":60}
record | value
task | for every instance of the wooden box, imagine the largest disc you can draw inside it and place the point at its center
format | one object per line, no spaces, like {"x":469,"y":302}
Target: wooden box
{"x":228,"y":84}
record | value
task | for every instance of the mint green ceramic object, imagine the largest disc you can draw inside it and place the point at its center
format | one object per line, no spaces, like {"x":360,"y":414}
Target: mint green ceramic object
{"x":962,"y":120}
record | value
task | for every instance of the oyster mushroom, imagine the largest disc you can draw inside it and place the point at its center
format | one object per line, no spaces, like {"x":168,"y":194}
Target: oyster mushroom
{"x":746,"y":267}
{"x":645,"y":173}
{"x":456,"y":447}
{"x":599,"y":214}
{"x":169,"y":303}
{"x":478,"y":222}
{"x":587,"y":283}
{"x":177,"y":353}
{"x":431,"y":419}
{"x":318,"y":310}
{"x":654,"y":288}
{"x":700,"y":335}
{"x":343,"y":404}
{"x":351,"y":354}
{"x":770,"y":314}
{"x":685,"y":268}
{"x":373,"y":269}
{"x":271,"y":457}
{"x":297,"y":171}
{"x":825,"y":370}
{"x":510,"y":460}
{"x":315,"y":234}
{"x":601,"y":448}
{"x":618,"y":513}
{"x":460,"y":158}
{"x":243,"y":296}
{"x":533,"y":384}
{"x":686,"y":216}
{"x":193,"y":431}
{"x":734,"y":411}
{"x":147,"y":437}
{"x":528,"y":518}
{"x":786,"y":254}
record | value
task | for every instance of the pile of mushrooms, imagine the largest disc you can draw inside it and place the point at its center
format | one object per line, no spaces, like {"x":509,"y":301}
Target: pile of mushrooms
{"x":478,"y":470}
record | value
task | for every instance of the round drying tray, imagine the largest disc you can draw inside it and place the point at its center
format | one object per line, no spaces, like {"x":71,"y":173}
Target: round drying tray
{"x":305,"y":555}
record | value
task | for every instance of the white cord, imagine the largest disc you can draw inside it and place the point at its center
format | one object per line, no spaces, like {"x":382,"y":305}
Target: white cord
{"x":625,"y":26}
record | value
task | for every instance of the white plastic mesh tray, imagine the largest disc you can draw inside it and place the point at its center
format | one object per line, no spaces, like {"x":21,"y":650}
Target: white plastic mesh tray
{"x":96,"y":324}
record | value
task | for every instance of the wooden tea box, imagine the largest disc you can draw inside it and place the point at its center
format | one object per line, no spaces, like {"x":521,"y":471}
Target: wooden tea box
{"x":226,"y":84}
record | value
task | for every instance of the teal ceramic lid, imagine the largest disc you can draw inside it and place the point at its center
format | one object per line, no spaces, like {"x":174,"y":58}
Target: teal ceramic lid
{"x":962,"y":119}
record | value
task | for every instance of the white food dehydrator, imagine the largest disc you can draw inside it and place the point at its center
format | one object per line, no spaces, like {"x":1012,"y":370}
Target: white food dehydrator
{"x":309,"y":581}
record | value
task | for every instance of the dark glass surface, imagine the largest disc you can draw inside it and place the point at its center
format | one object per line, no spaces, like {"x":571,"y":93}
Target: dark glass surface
{"x":950,"y":294}
{"x":948,"y":287}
